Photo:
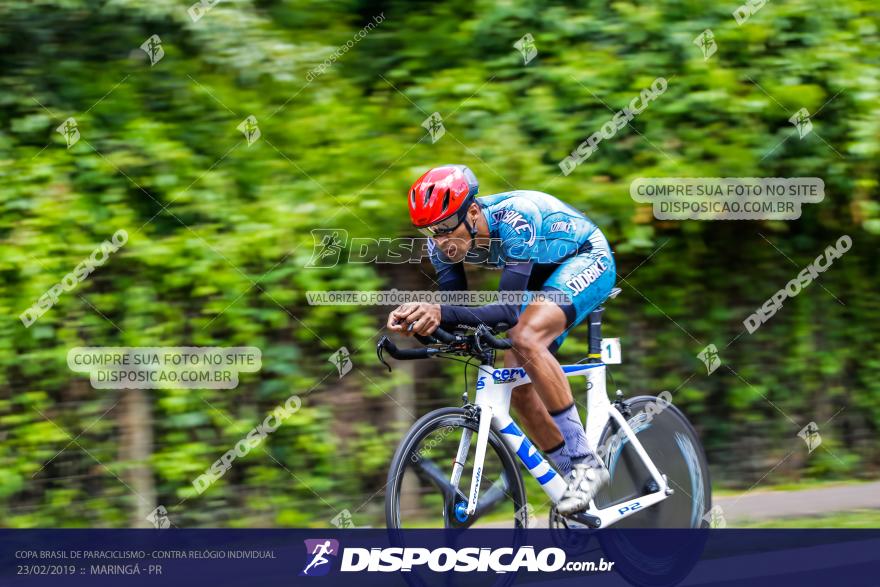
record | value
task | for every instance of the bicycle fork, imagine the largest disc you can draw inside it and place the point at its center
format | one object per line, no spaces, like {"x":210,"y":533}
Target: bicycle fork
{"x":479,"y":457}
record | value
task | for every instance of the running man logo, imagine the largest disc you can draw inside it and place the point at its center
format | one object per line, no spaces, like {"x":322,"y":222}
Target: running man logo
{"x":434,"y":125}
{"x":526,"y":48}
{"x":69,"y":131}
{"x":810,"y":435}
{"x":343,"y":520}
{"x":317,"y":553}
{"x":153,"y":48}
{"x":342,"y":359}
{"x":714,"y":518}
{"x":801,"y":121}
{"x":710,"y":357}
{"x":706,"y":42}
{"x":328,"y":247}
{"x":159,"y":518}
{"x":250,"y":129}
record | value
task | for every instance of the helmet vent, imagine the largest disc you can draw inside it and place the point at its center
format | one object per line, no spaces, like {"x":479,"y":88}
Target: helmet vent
{"x":428,"y":194}
{"x":445,"y":202}
{"x":412,"y":196}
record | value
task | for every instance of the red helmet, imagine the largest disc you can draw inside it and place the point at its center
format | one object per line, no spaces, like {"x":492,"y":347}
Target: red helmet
{"x":442,"y":193}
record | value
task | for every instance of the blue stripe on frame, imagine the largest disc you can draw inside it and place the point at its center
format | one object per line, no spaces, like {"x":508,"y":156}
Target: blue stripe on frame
{"x":543,"y":479}
{"x":576,"y":368}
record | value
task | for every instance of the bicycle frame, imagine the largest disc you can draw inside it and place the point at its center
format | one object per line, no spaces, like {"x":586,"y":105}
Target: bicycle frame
{"x":493,"y":390}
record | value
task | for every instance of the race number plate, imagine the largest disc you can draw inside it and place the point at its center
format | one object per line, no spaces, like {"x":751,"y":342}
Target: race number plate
{"x":611,"y":351}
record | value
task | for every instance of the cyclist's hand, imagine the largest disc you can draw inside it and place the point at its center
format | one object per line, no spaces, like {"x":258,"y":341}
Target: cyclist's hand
{"x":425,"y":319}
{"x":397,"y":319}
{"x":411,"y":319}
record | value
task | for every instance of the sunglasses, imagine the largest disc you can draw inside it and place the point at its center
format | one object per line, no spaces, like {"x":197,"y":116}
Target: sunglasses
{"x":443,"y":227}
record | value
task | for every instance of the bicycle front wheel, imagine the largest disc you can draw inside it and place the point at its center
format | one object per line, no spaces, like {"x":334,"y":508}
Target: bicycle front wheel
{"x":430,"y":477}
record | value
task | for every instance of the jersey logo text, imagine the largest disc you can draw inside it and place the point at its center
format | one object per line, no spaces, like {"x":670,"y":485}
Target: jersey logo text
{"x":585,"y":278}
{"x":562,"y":226}
{"x":518,"y":222}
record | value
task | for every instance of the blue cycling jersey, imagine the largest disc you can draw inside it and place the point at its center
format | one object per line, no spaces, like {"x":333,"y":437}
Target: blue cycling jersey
{"x":525,"y":226}
{"x":532,"y":234}
{"x":534,"y":226}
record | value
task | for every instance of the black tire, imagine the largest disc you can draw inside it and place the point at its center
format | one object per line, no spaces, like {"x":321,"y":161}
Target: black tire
{"x":455,"y":418}
{"x":675,"y":448}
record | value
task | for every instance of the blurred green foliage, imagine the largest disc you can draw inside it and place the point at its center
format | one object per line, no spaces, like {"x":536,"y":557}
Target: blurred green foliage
{"x":219,"y":231}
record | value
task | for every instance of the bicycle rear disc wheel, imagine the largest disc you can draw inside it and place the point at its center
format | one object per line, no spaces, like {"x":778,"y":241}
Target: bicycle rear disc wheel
{"x":419,"y":493}
{"x":673,"y":445}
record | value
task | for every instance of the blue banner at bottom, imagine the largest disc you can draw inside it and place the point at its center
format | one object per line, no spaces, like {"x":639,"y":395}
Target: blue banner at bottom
{"x":268,"y":558}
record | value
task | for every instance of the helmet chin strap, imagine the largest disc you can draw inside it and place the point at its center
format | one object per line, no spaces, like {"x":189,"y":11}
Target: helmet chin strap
{"x":472,"y":229}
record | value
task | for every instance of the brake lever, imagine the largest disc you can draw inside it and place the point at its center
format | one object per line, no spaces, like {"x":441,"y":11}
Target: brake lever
{"x":478,"y":341}
{"x":381,"y":347}
{"x":484,"y":335}
{"x":481,"y":330}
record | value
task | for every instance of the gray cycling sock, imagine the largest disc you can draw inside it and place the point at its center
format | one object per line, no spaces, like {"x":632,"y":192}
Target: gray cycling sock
{"x":559,"y":457}
{"x":576,"y":449}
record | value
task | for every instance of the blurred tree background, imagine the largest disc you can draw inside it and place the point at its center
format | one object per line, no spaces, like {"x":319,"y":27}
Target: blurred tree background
{"x":220,"y":231}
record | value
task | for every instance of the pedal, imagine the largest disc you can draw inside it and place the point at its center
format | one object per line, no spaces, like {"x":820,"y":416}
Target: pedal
{"x":586,"y":519}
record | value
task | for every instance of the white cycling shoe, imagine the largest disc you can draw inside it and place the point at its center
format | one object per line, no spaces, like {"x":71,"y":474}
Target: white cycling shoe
{"x":584,"y":482}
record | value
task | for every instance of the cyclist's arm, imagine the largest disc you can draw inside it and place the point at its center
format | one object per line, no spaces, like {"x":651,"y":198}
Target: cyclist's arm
{"x":518,"y":234}
{"x":514,"y":278}
{"x":451,"y":276}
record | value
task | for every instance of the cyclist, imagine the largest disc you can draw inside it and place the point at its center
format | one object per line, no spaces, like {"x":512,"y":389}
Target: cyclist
{"x":540,"y":244}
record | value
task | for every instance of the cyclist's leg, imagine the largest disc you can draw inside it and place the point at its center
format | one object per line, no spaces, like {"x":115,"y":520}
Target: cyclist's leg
{"x":586,"y":280}
{"x":539,"y":325}
{"x":535,"y":418}
{"x":538,"y":422}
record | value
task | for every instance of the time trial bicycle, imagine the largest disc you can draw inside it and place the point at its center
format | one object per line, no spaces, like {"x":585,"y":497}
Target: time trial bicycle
{"x":443,"y":474}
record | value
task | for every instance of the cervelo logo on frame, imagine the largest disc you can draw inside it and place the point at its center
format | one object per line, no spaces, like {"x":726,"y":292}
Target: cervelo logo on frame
{"x":508,"y":375}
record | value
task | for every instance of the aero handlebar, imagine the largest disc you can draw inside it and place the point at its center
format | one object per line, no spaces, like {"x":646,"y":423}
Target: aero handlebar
{"x":469,"y":344}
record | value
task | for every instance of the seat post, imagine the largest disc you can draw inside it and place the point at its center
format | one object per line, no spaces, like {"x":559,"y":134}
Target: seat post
{"x":595,"y":352}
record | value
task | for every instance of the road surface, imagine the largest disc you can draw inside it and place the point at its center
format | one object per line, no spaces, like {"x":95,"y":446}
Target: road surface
{"x":764,"y":505}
